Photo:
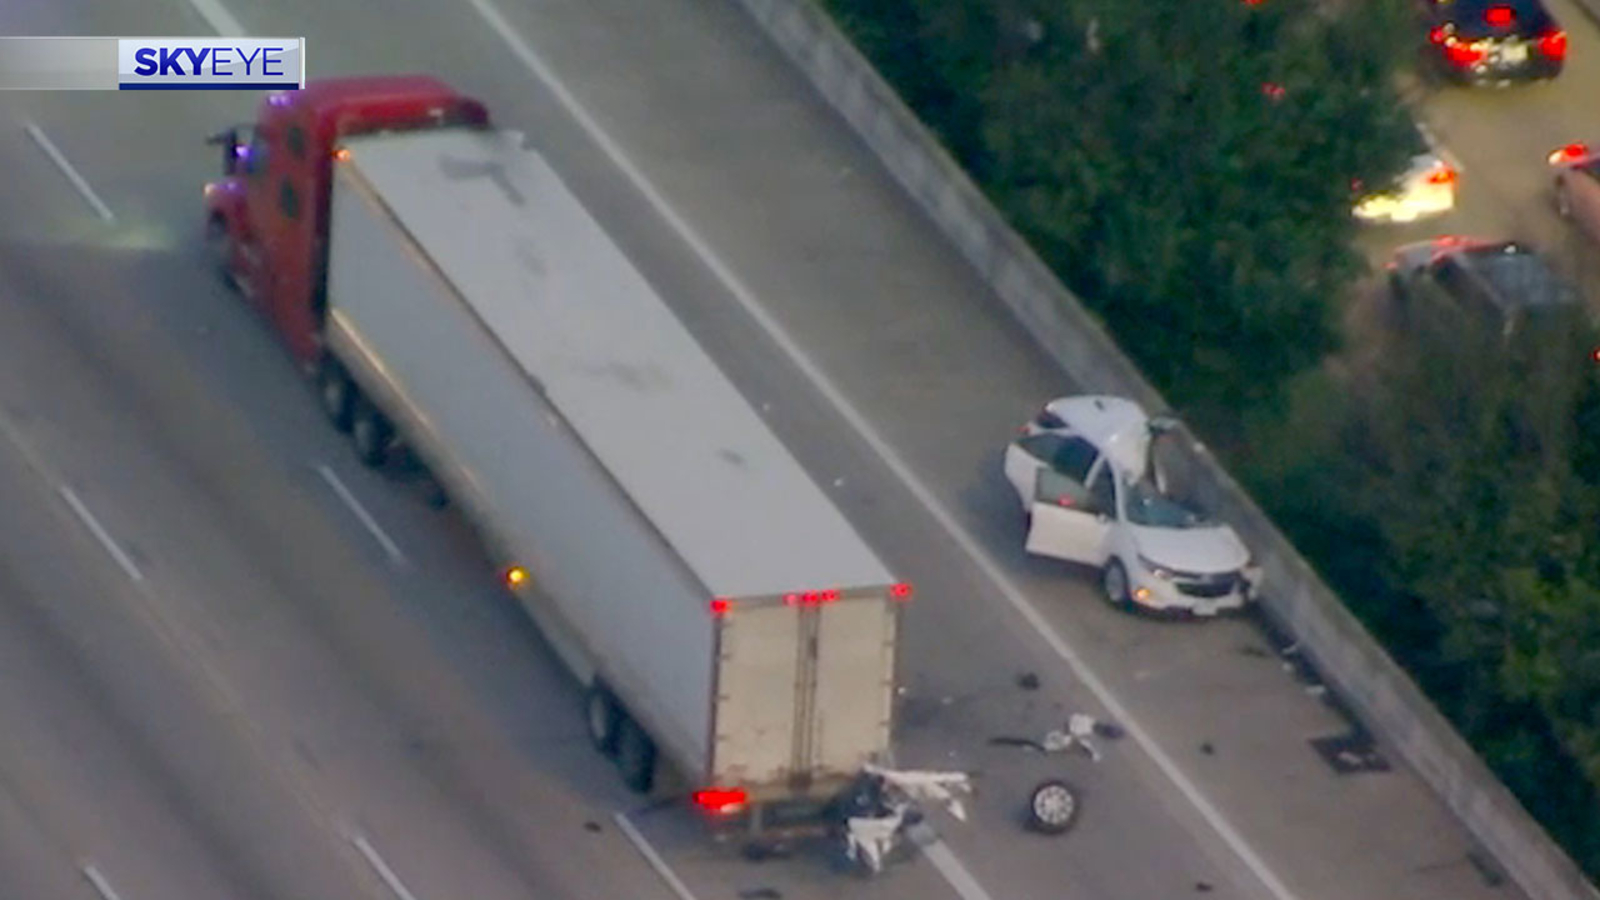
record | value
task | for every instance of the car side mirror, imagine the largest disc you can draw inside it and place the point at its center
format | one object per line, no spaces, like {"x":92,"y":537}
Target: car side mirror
{"x":1164,"y":424}
{"x":234,"y":148}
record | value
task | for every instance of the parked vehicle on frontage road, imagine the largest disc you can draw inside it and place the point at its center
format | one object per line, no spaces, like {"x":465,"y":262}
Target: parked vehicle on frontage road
{"x":1503,"y":281}
{"x":1577,"y":187}
{"x":1426,"y":188}
{"x":1495,"y":41}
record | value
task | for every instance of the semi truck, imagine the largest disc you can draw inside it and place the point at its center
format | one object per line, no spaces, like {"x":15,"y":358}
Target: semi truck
{"x":450,"y":297}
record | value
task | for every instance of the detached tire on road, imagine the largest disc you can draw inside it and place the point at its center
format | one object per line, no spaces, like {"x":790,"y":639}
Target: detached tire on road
{"x":1052,"y":807}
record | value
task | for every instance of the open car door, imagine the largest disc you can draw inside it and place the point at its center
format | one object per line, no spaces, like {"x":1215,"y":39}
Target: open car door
{"x":1067,"y":521}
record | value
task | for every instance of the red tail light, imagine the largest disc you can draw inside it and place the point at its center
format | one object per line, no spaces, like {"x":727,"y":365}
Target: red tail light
{"x":1442,"y":175}
{"x":1554,"y":45}
{"x":901,"y":591}
{"x":1568,"y":153}
{"x":1437,"y":34}
{"x":1462,"y":54}
{"x":1499,"y":16}
{"x":721,"y":606}
{"x":721,"y":801}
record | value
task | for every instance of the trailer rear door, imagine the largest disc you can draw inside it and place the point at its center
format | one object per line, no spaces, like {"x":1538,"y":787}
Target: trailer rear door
{"x":854,"y":683}
{"x":803,"y":689}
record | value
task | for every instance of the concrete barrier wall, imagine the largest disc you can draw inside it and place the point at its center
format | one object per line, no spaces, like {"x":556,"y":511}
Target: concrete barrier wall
{"x":1377,"y":691}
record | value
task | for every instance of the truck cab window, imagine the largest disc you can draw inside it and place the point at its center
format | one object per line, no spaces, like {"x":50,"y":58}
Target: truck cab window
{"x":255,"y":158}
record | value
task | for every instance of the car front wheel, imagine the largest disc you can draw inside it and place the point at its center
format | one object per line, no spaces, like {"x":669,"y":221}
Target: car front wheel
{"x":1114,"y":581}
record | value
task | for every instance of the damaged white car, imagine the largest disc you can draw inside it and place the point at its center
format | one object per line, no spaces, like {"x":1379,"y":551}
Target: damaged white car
{"x":1084,"y":472}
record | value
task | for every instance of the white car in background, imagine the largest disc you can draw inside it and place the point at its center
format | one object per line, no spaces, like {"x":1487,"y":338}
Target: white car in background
{"x":1426,"y":189}
{"x":1083,"y":471}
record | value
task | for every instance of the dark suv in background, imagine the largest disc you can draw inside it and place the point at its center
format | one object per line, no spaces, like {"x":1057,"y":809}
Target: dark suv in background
{"x":1495,"y":41}
{"x":1504,"y":281}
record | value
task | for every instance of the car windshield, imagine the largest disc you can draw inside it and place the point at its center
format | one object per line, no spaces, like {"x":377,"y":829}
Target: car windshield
{"x":1147,"y":506}
{"x":1474,"y":20}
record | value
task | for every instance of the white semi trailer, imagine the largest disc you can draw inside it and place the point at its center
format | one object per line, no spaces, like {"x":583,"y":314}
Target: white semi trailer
{"x":721,"y":611}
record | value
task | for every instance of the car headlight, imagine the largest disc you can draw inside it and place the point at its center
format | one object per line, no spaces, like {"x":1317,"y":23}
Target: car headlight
{"x":1155,"y":568}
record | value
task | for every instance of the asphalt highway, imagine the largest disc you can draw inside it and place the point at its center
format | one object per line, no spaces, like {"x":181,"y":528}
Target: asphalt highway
{"x":310,"y":682}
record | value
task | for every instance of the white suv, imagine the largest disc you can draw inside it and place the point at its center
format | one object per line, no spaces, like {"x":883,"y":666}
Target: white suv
{"x":1083,"y":472}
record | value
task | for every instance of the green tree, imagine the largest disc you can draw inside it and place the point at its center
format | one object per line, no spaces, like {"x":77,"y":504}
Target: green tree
{"x":1446,"y":494}
{"x":1188,"y":167}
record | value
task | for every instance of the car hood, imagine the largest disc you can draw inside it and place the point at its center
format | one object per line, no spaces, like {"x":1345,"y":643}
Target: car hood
{"x":1206,"y":550}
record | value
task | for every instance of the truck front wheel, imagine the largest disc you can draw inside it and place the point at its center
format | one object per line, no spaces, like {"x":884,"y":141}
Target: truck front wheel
{"x":636,"y":757}
{"x":220,"y":247}
{"x":604,"y":717}
{"x":371,"y":434}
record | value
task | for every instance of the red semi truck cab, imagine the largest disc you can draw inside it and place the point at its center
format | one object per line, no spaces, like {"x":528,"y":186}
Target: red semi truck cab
{"x":267,"y":217}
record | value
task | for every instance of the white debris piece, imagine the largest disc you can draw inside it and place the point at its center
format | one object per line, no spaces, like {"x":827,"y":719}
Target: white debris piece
{"x":1080,"y":728}
{"x":870,"y":838}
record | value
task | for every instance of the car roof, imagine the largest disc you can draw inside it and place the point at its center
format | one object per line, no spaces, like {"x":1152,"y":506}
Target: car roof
{"x":1116,"y":425}
{"x":1520,"y":278}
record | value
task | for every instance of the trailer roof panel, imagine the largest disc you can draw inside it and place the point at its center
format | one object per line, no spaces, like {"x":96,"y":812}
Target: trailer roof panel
{"x":611,"y":356}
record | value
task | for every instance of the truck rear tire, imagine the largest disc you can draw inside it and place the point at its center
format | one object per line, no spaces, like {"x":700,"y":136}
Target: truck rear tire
{"x":636,"y":757}
{"x":604,"y":718}
{"x":370,"y":434}
{"x":337,"y":394}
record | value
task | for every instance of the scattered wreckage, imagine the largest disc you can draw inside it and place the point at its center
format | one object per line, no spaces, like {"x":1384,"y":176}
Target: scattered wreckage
{"x":886,"y":803}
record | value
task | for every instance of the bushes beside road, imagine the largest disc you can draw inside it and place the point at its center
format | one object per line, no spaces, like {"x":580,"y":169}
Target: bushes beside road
{"x":1185,"y":167}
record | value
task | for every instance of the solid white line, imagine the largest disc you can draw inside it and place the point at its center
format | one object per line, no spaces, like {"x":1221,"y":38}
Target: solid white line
{"x":101,"y":885}
{"x":939,"y":853}
{"x":366,"y":518}
{"x":382,"y":868}
{"x":60,"y":161}
{"x":99,"y":531}
{"x":991,"y":569}
{"x":652,"y":857}
{"x":221,"y":20}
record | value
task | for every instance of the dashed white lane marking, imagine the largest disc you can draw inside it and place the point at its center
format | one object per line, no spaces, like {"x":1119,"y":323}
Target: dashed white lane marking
{"x":969,"y":544}
{"x":652,"y":857}
{"x":99,"y":882}
{"x":390,"y":548}
{"x":961,"y":880}
{"x":59,"y":159}
{"x":218,"y":17}
{"x":382,"y":868}
{"x":100,"y":533}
